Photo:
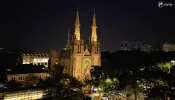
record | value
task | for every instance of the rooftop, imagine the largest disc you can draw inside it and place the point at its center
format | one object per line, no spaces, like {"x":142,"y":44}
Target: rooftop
{"x":26,"y":68}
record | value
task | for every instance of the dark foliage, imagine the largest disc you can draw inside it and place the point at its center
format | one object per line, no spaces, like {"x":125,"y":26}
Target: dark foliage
{"x":121,"y":61}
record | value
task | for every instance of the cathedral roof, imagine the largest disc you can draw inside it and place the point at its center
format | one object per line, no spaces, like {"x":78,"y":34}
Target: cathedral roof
{"x":65,"y":53}
{"x":26,"y":68}
{"x":86,"y":52}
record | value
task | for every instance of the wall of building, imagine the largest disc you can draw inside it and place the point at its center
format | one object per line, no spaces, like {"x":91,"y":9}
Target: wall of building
{"x":53,"y":59}
{"x":35,"y":59}
{"x":22,"y":77}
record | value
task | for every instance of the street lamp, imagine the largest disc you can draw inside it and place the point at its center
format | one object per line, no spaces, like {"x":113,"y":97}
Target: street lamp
{"x":173,"y":61}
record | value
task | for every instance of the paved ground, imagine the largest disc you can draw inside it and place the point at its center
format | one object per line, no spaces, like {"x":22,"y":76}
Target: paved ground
{"x":24,"y":95}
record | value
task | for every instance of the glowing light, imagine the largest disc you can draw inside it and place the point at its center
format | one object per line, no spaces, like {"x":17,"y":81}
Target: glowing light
{"x":35,"y":60}
{"x":173,"y":61}
{"x":95,"y":89}
{"x":99,"y":88}
{"x":32,"y":95}
{"x":108,"y":81}
{"x":39,"y":60}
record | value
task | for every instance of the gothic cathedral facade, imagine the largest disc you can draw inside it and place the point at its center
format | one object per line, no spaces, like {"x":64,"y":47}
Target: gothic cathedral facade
{"x":77,"y":58}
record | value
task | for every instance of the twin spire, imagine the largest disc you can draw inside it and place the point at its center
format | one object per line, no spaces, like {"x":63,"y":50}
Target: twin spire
{"x":94,"y":20}
{"x":68,"y":40}
{"x":77,"y":27}
{"x":77,"y":18}
{"x":94,"y":29}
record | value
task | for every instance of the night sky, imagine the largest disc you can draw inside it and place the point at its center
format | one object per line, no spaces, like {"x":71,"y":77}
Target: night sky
{"x":37,"y":25}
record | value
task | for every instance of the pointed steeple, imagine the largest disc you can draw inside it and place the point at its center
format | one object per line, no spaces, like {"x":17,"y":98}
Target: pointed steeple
{"x":68,"y":40}
{"x":94,"y":29}
{"x":77,"y":26}
{"x":94,"y":20}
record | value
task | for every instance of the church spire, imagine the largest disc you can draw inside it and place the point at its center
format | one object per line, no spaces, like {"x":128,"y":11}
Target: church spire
{"x":94,"y":20}
{"x":77,"y":26}
{"x":94,"y":30}
{"x":68,"y":39}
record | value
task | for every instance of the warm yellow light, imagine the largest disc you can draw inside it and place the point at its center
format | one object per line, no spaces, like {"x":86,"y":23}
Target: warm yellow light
{"x":173,"y":61}
{"x":108,"y":81}
{"x":35,"y":60}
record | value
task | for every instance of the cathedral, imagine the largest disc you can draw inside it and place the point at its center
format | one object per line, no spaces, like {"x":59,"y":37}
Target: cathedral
{"x":77,"y":58}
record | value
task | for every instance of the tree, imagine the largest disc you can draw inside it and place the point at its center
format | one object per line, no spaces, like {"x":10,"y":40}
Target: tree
{"x":49,"y":94}
{"x":96,"y":72}
{"x":13,"y":85}
{"x":173,"y":70}
{"x":110,"y":82}
{"x":31,"y":80}
{"x":160,"y":93}
{"x":58,"y":90}
{"x":50,"y":82}
{"x":64,"y":94}
{"x":40,"y":83}
{"x":103,"y":81}
{"x":135,"y":79}
{"x":155,"y":94}
{"x":165,"y":66}
{"x":134,"y":85}
{"x":58,"y":71}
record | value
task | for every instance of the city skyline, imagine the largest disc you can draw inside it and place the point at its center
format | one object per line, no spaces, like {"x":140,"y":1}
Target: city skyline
{"x":38,"y":26}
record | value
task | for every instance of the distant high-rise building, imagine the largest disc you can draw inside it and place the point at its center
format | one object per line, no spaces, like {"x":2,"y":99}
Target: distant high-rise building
{"x":168,"y":47}
{"x":125,"y":45}
{"x":146,"y":48}
{"x":134,"y":45}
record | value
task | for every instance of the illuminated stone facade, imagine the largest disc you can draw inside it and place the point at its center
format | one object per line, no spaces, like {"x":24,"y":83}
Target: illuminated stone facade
{"x":22,"y":77}
{"x":76,"y":58}
{"x":35,"y":59}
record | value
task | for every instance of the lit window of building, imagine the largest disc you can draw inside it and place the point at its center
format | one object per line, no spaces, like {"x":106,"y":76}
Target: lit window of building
{"x":35,"y":59}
